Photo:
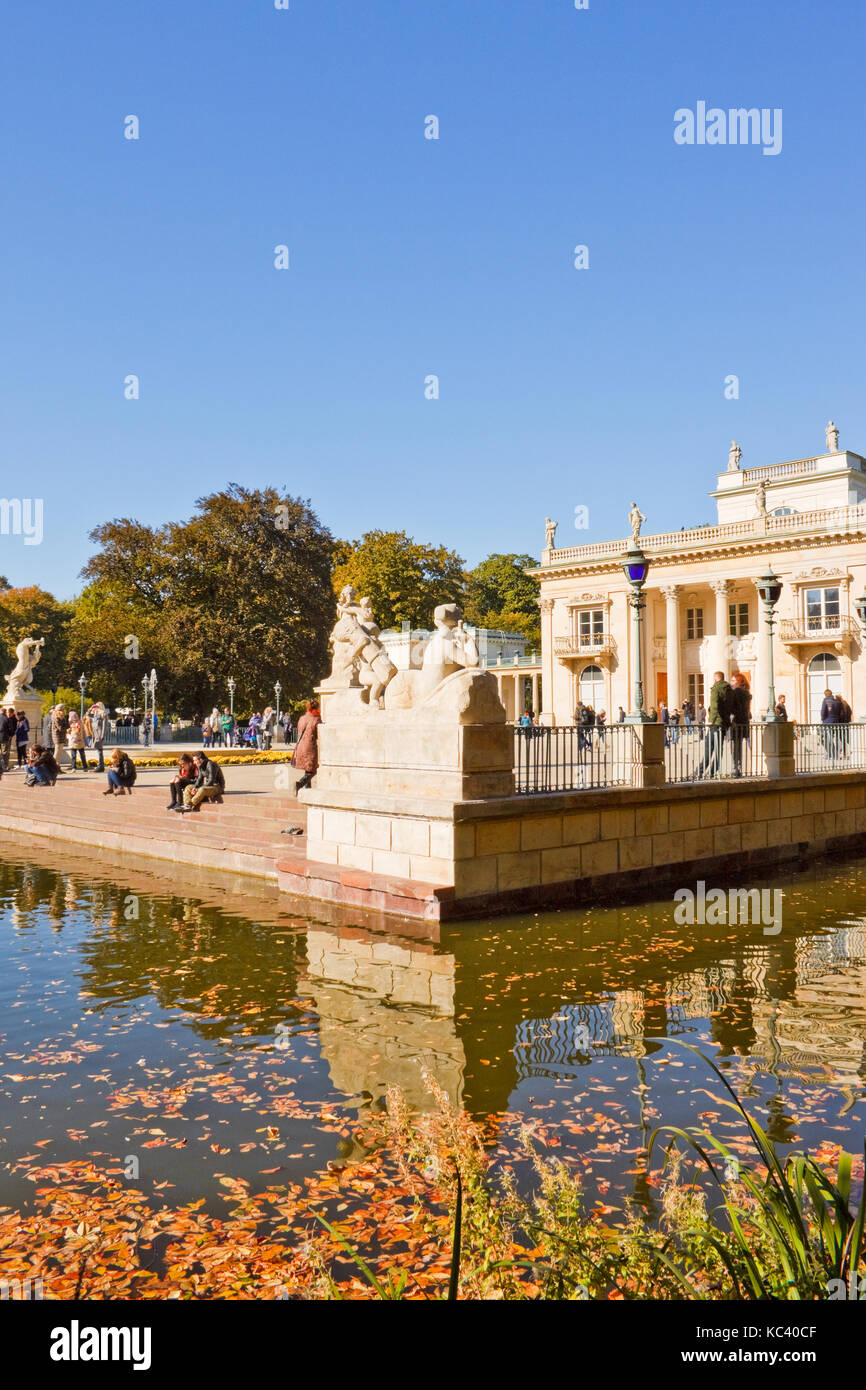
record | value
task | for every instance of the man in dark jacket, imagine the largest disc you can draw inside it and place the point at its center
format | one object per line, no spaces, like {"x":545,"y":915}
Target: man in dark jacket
{"x":8,"y":725}
{"x":831,"y":715}
{"x":209,"y":785}
{"x":719,"y":720}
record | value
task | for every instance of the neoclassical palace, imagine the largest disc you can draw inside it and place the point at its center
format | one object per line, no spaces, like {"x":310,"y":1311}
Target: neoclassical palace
{"x":806,"y":519}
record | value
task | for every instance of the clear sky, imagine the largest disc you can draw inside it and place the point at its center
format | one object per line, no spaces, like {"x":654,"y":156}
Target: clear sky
{"x":410,"y":257}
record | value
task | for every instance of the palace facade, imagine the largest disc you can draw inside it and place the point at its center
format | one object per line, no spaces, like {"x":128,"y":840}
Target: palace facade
{"x":806,"y":519}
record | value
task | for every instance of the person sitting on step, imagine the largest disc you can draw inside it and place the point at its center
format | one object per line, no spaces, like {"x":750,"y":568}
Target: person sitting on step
{"x":183,"y":778}
{"x":121,"y":774}
{"x":209,"y":784}
{"x":42,"y":769}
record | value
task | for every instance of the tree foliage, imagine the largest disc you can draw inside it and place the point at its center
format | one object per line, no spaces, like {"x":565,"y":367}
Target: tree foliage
{"x":500,"y":594}
{"x":404,"y":579}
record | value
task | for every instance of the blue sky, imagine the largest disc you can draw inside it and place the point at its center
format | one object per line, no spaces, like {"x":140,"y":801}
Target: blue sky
{"x":412,"y":257}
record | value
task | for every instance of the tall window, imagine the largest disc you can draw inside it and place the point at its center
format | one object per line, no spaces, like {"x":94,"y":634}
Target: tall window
{"x":822,"y":610}
{"x":590,"y":626}
{"x":590,"y":687}
{"x":694,"y":624}
{"x":738,"y":619}
{"x":696,"y":689}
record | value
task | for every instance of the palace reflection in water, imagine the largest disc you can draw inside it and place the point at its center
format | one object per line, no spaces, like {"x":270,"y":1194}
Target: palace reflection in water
{"x":499,"y":1013}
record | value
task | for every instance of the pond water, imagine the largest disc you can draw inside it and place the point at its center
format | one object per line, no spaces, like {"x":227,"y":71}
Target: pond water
{"x":204,"y":1032}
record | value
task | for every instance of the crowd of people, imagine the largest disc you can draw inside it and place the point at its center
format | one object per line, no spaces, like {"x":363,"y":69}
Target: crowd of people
{"x":224,"y":731}
{"x":198,"y":778}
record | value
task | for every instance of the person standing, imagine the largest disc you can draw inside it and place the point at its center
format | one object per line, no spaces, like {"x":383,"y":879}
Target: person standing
{"x":22,"y":732}
{"x":306,"y":754}
{"x":99,"y":732}
{"x":831,"y":716}
{"x":227,"y":726}
{"x":8,"y":725}
{"x":75,"y":741}
{"x":782,"y":710}
{"x":719,"y":721}
{"x":740,"y":705}
{"x":268,"y":721}
{"x":620,"y":715}
{"x":59,"y":730}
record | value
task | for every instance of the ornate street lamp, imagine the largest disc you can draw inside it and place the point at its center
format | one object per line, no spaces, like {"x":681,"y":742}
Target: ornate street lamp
{"x":635,"y":566}
{"x":232,"y":688}
{"x":153,"y":699}
{"x":278,"y":690}
{"x":145,"y":685}
{"x":769,"y":588}
{"x":82,"y":686}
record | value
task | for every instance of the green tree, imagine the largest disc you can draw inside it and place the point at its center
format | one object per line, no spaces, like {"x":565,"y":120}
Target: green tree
{"x":250,"y":598}
{"x":500,"y":594}
{"x":242,"y":589}
{"x":404,"y":579}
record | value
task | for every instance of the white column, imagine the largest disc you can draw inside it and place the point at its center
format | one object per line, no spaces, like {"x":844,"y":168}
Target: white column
{"x":721,"y":588}
{"x":672,"y":641}
{"x":548,"y":715}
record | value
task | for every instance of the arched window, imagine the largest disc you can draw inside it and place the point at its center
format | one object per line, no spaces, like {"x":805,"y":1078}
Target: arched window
{"x":823,"y":671}
{"x":591,"y":687}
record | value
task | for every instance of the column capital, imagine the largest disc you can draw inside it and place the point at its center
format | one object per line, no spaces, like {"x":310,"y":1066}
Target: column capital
{"x":671,"y":592}
{"x":546,"y":605}
{"x":720,"y":587}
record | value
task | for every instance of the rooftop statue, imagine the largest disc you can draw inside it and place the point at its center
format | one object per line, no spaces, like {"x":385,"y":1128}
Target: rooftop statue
{"x":832,"y":436}
{"x":636,"y":519}
{"x":550,"y":533}
{"x":734,"y":456}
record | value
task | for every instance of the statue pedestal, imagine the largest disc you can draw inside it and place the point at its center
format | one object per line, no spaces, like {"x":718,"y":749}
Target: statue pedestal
{"x":382,"y":809}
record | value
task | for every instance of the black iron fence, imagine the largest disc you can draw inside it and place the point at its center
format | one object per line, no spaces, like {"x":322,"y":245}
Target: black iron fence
{"x":696,"y":753}
{"x":829,"y":747}
{"x":573,"y":758}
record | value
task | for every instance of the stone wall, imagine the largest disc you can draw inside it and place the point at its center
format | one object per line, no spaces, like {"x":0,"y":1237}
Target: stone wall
{"x":570,"y":847}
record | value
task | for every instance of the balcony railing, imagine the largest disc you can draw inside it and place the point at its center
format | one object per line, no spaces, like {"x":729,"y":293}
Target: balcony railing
{"x":847,"y":521}
{"x":829,"y":747}
{"x":828,"y":626}
{"x":585,"y":644}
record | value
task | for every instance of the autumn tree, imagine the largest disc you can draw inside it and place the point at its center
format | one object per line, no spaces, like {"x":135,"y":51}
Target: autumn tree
{"x":404,"y":579}
{"x":242,"y":589}
{"x":500,"y":594}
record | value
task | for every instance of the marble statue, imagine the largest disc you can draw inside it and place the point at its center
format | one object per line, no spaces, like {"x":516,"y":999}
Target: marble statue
{"x":636,"y":519}
{"x":734,"y":456}
{"x":832,"y":436}
{"x":450,"y":648}
{"x":550,"y":533}
{"x":761,"y":499}
{"x":360,"y":659}
{"x":20,"y":681}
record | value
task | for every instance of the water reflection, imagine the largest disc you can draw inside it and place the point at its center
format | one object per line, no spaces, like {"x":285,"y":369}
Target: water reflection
{"x":541,"y":1011}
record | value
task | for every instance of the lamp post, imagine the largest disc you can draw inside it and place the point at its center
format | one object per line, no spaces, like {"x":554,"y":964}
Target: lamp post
{"x":232,"y":689}
{"x":153,"y":701}
{"x":769,"y":588}
{"x":82,"y":686}
{"x":278,"y":690}
{"x":635,"y":566}
{"x":145,"y":685}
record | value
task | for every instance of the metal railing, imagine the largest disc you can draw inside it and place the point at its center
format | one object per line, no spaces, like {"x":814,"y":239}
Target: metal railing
{"x":829,"y":747}
{"x":574,"y":758}
{"x":703,"y":753}
{"x":831,"y":625}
